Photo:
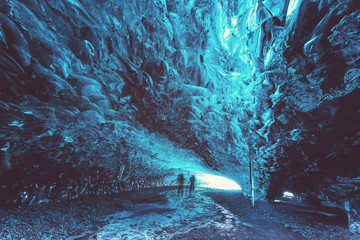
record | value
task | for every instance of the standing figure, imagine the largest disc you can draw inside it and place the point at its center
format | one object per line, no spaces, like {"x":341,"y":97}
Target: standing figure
{"x":180,"y":180}
{"x":192,"y":183}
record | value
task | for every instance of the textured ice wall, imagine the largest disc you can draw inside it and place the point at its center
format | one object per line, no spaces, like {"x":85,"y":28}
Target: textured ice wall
{"x":77,"y":76}
{"x":272,"y":81}
{"x":314,"y":68}
{"x":67,"y":117}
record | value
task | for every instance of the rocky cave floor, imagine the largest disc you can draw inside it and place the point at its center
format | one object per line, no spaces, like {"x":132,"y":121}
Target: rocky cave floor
{"x":162,"y":214}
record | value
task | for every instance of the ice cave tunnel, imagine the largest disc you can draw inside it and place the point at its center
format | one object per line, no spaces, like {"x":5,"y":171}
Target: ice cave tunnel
{"x":107,"y":96}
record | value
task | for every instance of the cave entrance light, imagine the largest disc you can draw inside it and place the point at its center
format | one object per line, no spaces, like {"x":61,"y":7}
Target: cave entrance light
{"x":216,"y":182}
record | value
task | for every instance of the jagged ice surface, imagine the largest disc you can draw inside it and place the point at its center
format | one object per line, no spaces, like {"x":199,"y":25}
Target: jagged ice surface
{"x":106,"y":96}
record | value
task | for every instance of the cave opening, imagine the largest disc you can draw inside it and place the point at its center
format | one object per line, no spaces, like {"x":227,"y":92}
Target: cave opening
{"x":217,"y":182}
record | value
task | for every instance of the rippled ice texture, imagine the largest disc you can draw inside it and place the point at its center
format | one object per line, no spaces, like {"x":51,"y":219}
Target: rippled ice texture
{"x":275,"y":82}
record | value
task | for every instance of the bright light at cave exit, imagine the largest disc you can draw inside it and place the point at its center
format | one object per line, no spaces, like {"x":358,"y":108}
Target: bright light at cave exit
{"x":217,"y":182}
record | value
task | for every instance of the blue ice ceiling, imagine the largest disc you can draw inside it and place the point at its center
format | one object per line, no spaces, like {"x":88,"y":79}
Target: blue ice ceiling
{"x":108,"y":96}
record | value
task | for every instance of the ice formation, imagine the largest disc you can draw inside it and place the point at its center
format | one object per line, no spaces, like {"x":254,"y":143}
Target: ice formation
{"x":107,"y":96}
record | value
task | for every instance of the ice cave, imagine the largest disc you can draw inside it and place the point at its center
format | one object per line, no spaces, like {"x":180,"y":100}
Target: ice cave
{"x":105,"y":103}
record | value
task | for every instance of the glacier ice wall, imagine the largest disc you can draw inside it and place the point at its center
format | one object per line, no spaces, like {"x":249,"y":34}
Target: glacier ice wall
{"x":78,"y":77}
{"x":316,"y":105}
{"x":273,"y":82}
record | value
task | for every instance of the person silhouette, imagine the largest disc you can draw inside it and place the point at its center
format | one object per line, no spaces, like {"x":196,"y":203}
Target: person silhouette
{"x":192,"y":184}
{"x":180,"y":180}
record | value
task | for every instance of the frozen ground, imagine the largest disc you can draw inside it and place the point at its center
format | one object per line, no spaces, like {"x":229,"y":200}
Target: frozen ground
{"x":162,"y":214}
{"x":181,"y":217}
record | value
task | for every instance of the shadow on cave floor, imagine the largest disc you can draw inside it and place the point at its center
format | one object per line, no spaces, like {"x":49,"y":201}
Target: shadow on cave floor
{"x":162,"y":214}
{"x":309,"y":221}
